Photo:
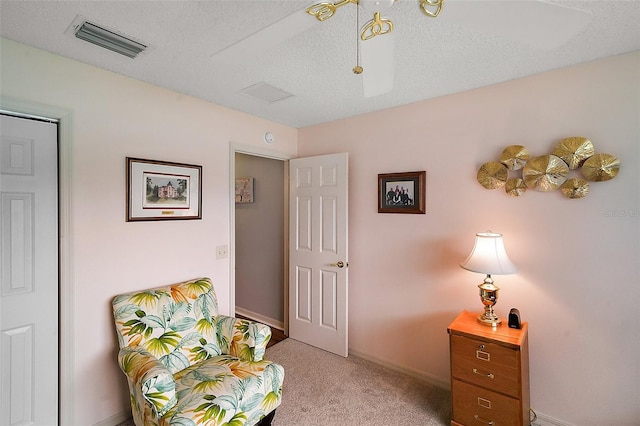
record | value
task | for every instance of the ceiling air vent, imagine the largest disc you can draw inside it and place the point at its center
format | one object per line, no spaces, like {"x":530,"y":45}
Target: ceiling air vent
{"x":108,"y":39}
{"x":266,"y":92}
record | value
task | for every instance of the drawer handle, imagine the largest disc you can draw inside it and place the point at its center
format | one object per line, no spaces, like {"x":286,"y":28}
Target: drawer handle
{"x":480,"y":373}
{"x":484,"y":356}
{"x":481,"y":420}
{"x":485,"y":403}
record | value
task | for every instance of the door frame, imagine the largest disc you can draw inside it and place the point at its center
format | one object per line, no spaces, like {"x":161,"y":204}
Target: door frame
{"x":17,"y":107}
{"x":236,"y":148}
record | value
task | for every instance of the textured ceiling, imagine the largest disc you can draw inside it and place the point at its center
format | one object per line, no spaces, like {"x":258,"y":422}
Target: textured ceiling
{"x":473,"y":43}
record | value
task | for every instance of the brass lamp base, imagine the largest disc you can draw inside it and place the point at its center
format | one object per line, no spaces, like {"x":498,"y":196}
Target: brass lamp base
{"x":489,"y":321}
{"x":489,"y":297}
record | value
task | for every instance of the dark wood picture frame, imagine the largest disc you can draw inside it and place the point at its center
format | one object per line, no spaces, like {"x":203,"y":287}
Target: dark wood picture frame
{"x":402,"y":192}
{"x":163,"y":190}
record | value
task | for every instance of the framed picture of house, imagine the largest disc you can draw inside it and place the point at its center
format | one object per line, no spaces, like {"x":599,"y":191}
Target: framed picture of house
{"x":162,"y":190}
{"x":402,"y":192}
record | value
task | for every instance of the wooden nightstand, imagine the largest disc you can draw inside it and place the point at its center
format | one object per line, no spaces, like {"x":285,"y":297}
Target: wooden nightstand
{"x":489,"y":373}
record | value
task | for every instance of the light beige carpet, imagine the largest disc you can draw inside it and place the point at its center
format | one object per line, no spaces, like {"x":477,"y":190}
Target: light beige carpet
{"x":324,"y":389}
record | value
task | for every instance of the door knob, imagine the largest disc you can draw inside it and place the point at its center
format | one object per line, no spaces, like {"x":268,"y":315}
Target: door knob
{"x":340,"y":264}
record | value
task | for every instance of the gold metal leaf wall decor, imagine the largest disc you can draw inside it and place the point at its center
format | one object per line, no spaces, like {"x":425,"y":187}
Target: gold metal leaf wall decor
{"x":515,"y":187}
{"x":574,"y":151}
{"x":492,"y":175}
{"x":547,"y":173}
{"x":575,"y":188}
{"x":515,"y":157}
{"x":600,"y":167}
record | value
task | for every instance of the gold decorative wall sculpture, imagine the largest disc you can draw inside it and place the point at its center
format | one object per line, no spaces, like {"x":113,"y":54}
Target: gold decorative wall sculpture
{"x":575,"y":188}
{"x":515,"y":187}
{"x":574,"y":151}
{"x":601,"y":167}
{"x":492,"y":175}
{"x":547,"y":173}
{"x":515,"y":157}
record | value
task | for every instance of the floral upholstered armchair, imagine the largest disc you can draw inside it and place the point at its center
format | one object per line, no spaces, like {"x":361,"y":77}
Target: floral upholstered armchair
{"x":187,"y":365}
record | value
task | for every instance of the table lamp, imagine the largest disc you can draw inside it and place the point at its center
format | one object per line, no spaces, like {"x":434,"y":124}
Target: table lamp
{"x":489,"y":257}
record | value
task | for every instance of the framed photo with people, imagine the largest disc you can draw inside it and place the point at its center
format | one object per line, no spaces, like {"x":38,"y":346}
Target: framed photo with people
{"x":402,"y":192}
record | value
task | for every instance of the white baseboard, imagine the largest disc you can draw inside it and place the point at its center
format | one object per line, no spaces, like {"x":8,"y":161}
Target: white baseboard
{"x":114,"y":420}
{"x":260,"y":318}
{"x":409,"y":371}
{"x":545,"y":420}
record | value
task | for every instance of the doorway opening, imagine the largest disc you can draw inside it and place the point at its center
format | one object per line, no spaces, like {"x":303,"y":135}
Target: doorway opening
{"x":259,"y":237}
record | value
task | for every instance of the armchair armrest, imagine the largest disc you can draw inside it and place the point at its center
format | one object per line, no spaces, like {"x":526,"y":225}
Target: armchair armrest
{"x":244,"y":339}
{"x":149,"y":380}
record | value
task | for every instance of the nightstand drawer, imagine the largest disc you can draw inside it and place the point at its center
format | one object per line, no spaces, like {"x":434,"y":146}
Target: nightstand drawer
{"x":487,"y":353}
{"x":473,"y":405}
{"x":485,"y":364}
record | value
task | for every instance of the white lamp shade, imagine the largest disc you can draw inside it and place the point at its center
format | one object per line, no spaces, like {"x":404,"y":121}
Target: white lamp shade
{"x":489,"y":256}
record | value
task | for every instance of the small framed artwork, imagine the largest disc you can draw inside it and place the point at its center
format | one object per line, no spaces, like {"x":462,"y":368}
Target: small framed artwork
{"x":402,"y":192}
{"x":244,"y":190}
{"x":161,"y":190}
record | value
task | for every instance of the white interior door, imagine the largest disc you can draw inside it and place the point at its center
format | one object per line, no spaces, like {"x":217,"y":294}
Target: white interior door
{"x":318,"y":252}
{"x":29,"y":276}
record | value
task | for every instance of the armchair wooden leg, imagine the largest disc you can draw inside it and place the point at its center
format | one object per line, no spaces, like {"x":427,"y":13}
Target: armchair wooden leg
{"x":266,"y":420}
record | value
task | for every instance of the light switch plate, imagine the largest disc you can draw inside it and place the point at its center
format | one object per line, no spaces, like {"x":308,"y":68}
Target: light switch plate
{"x":222,"y":252}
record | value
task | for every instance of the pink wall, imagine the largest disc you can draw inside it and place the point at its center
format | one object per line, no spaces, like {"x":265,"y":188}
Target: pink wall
{"x":112,"y":117}
{"x":578,"y":280}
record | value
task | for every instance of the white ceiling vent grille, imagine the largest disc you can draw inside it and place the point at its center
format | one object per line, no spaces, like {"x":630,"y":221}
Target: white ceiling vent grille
{"x":266,"y":92}
{"x":102,"y":37}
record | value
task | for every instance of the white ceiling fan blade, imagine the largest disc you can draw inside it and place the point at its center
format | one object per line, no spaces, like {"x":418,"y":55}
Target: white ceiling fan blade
{"x":536,"y":23}
{"x":372,"y":6}
{"x":268,"y":37}
{"x":377,"y":56}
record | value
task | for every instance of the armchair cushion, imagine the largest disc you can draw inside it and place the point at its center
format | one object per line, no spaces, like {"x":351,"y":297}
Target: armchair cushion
{"x":224,"y":390}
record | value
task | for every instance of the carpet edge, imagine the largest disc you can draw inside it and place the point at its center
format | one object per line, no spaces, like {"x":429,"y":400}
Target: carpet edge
{"x":409,"y":371}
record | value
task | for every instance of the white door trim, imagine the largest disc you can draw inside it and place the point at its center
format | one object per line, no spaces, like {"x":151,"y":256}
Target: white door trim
{"x":236,"y":148}
{"x":64,"y":118}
